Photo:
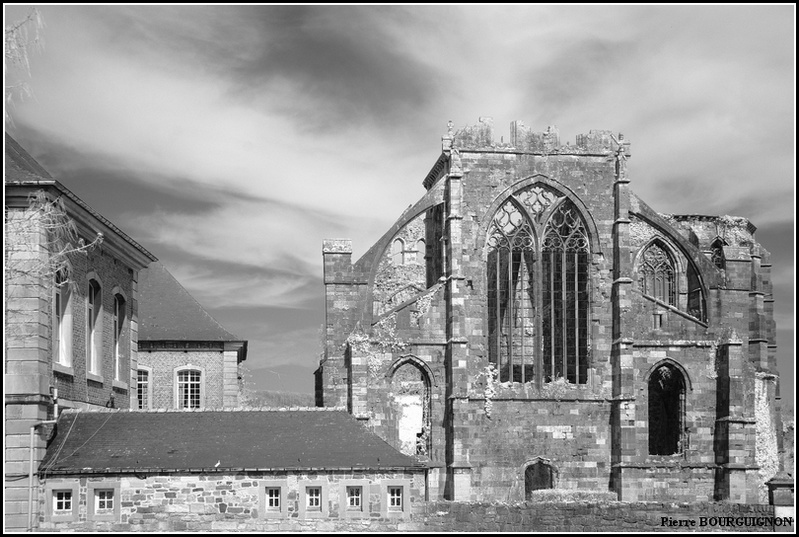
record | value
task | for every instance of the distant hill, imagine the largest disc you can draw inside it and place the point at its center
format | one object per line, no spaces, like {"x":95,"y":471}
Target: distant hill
{"x":273,"y":399}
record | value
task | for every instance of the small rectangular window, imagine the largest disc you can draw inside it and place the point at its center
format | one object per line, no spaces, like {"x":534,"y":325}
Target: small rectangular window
{"x":657,"y":321}
{"x":273,"y":499}
{"x":313,"y":498}
{"x":62,"y":502}
{"x":395,"y":498}
{"x":104,"y":501}
{"x":354,"y":498}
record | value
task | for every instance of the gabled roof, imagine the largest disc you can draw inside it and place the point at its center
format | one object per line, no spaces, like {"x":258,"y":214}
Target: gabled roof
{"x":23,"y":175}
{"x":167,"y":312}
{"x":122,"y":441}
{"x":20,"y":165}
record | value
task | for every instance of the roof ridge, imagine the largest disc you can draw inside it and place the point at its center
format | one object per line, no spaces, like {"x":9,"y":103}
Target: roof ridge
{"x":202,"y":309}
{"x":161,"y":295}
{"x":101,"y":410}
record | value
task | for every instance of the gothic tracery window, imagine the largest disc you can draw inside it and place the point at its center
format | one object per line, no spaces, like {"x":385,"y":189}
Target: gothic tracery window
{"x":565,"y":293}
{"x":656,"y":274}
{"x":538,"y":290}
{"x":510,"y":294}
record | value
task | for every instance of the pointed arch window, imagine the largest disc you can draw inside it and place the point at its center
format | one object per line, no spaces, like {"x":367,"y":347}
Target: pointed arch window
{"x":537,"y":476}
{"x":656,"y":274}
{"x":511,"y":320}
{"x":565,"y":294}
{"x":717,"y":253}
{"x":398,"y":252}
{"x":538,"y":290}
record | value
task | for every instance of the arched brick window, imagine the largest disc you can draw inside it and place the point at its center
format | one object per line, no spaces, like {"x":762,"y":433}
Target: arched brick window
{"x":62,"y":314}
{"x":119,"y":325}
{"x":666,"y":411}
{"x":94,"y":329}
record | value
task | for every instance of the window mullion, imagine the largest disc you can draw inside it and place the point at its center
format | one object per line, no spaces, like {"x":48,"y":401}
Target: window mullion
{"x":509,"y":313}
{"x":576,"y":306}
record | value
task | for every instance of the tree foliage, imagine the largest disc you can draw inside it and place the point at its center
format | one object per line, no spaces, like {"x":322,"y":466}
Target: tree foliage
{"x":22,"y":38}
{"x":39,"y":242}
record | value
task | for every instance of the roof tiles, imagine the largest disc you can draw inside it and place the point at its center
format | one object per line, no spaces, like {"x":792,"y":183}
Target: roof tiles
{"x":215,"y":441}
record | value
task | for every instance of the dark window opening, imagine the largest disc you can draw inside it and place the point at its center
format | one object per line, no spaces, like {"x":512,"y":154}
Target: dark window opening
{"x":717,"y":254}
{"x":537,"y":476}
{"x":666,"y":411}
{"x":565,"y":296}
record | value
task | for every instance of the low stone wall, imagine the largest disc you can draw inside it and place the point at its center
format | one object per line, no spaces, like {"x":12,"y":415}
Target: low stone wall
{"x":593,"y":517}
{"x":239,"y":503}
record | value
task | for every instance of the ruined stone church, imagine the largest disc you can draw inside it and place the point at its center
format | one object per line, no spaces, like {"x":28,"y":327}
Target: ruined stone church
{"x":530,"y":323}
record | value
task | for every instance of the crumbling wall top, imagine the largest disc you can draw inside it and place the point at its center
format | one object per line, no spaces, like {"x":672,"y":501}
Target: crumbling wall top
{"x":480,"y":137}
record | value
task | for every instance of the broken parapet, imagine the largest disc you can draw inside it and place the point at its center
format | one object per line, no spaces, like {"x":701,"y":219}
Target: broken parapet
{"x":480,"y":137}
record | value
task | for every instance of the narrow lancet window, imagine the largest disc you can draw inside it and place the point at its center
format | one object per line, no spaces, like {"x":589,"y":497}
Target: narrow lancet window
{"x":565,"y":258}
{"x":511,"y":315}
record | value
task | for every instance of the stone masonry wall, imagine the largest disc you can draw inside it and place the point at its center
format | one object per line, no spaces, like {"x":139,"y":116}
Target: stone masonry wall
{"x":30,"y":370}
{"x":236,"y":502}
{"x":595,"y":517}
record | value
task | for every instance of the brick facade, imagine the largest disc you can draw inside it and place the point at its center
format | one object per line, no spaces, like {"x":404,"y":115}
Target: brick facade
{"x":34,"y":380}
{"x":676,"y":322}
{"x":164,"y":363}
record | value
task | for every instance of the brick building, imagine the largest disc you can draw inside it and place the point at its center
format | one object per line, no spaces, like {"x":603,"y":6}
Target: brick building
{"x":71,"y":327}
{"x":531,"y":323}
{"x":186,"y":358}
{"x":77,"y":328}
{"x":255,"y":470}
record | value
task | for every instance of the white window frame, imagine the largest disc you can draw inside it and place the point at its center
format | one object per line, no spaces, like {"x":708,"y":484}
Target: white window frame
{"x":120,"y":314}
{"x":176,"y":384}
{"x":62,"y":326}
{"x":264,"y":487}
{"x":51,"y":490}
{"x":94,"y":329}
{"x":149,"y":388}
{"x":324,"y":502}
{"x":404,"y":510}
{"x":93,"y":501}
{"x":345,"y":511}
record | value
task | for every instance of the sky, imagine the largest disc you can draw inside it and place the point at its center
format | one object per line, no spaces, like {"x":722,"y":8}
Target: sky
{"x":230,"y":141}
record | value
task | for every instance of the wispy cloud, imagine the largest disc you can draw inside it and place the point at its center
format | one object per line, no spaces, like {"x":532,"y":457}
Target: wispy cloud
{"x":232,"y":140}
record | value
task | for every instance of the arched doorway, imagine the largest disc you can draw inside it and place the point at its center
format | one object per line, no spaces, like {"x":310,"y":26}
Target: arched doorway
{"x":537,"y":476}
{"x":666,"y":410}
{"x":410,"y":402}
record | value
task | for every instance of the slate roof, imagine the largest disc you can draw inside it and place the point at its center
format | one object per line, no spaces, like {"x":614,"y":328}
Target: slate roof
{"x":21,"y":170}
{"x":122,"y":441}
{"x":167,"y":312}
{"x":20,"y":165}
